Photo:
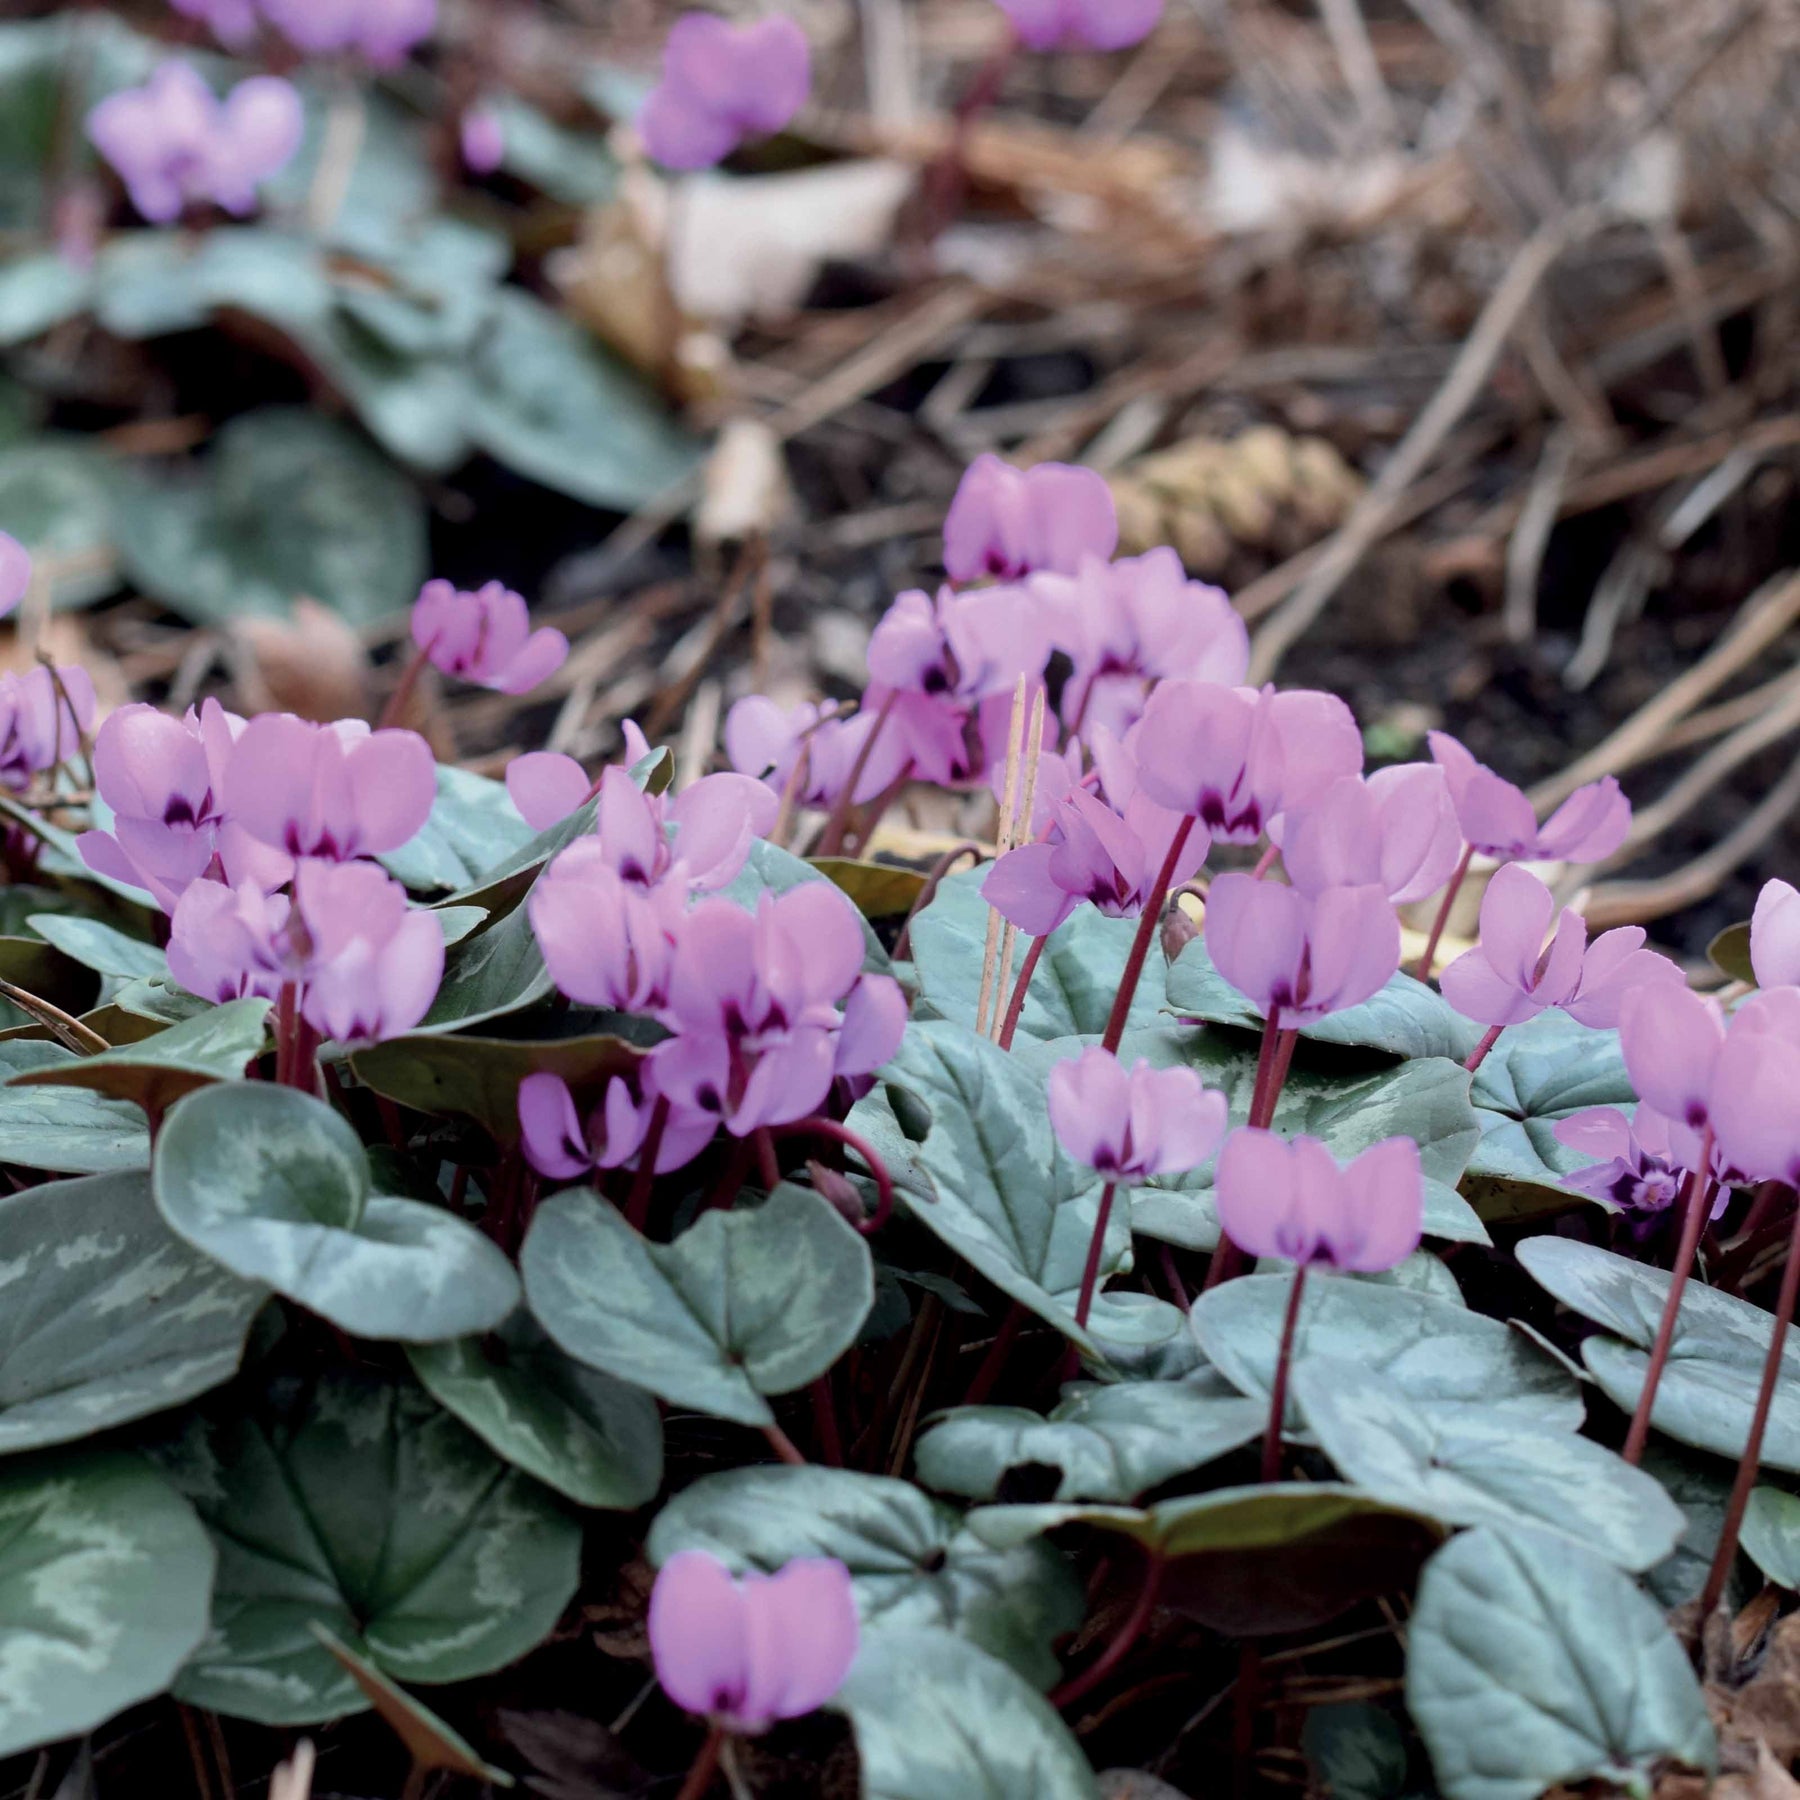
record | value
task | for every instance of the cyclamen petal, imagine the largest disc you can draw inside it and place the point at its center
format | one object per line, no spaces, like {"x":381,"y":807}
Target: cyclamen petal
{"x":485,"y":637}
{"x":545,"y":787}
{"x":1775,"y":935}
{"x":1132,"y":1123}
{"x":1289,"y":1199}
{"x":750,"y":1650}
{"x":1671,"y":1038}
{"x":1497,"y":819}
{"x":722,"y":84}
{"x":1082,"y":24}
{"x":1009,"y":523}
{"x":1308,"y":955}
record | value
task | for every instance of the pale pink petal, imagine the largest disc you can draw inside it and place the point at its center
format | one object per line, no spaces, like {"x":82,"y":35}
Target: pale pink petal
{"x":545,"y":787}
{"x":699,"y":1636}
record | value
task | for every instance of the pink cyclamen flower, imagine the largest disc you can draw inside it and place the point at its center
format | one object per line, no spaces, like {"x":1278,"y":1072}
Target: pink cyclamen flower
{"x":1499,"y":821}
{"x":382,"y":32}
{"x":175,"y":144}
{"x":561,"y":1144}
{"x":966,"y":645}
{"x":365,"y":964}
{"x":44,"y":715}
{"x":1775,"y":936}
{"x":769,"y":1008}
{"x":746,"y":1651}
{"x":482,"y":139}
{"x":164,"y":779}
{"x":335,"y":791}
{"x":1304,"y":955}
{"x":485,"y":637}
{"x":1010,"y":523}
{"x":807,"y":750}
{"x":1637,"y":1168}
{"x":721,"y":85}
{"x":696,"y":840}
{"x":605,"y":940}
{"x":1290,"y":1199}
{"x":1129,"y":624}
{"x":1214,"y":754}
{"x":1671,"y":1038}
{"x":1082,"y":24}
{"x":1397,"y":831}
{"x":1756,"y":1079}
{"x":15,"y":573}
{"x":232,"y":22}
{"x":1531,"y":957}
{"x":1130,"y":1124}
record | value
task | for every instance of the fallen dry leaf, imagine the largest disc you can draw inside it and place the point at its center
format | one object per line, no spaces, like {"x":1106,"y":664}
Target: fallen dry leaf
{"x":313,"y":664}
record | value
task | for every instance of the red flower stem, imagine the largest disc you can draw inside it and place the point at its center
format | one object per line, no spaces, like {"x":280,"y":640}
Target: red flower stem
{"x":395,"y":709}
{"x":831,"y":839}
{"x":1090,"y":1276}
{"x":999,"y":1350}
{"x":1751,"y":1460}
{"x":854,"y":1141}
{"x":928,"y":893}
{"x":1443,"y":914}
{"x":705,"y":1766}
{"x":767,"y":1165}
{"x":731,"y":1177}
{"x":1140,"y":945}
{"x":1016,"y":1006}
{"x":825,"y":1421}
{"x":1697,"y":1196}
{"x":1128,"y":1634}
{"x":1172,"y":1274}
{"x":1262,"y":1094}
{"x":284,"y":1033}
{"x":783,"y":1446}
{"x":1265,"y":862}
{"x":947,"y":178}
{"x":1479,"y":1054}
{"x":1278,"y":1393}
{"x":637,"y":1203}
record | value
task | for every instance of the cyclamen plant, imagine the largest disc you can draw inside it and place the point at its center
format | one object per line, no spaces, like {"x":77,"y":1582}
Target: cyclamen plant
{"x":623,"y":1121}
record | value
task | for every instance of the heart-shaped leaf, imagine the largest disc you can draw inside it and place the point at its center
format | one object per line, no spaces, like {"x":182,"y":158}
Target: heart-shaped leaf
{"x":1707,"y":1394}
{"x":1471,"y":1467}
{"x":979,"y":1165}
{"x":1406,"y":1018}
{"x":275,"y":1185}
{"x":913,"y":1560}
{"x":159,"y":1070}
{"x":549,"y":402}
{"x":107,"y":1317}
{"x":1537,"y":1074}
{"x":478,"y":1077}
{"x":1426,"y":1100}
{"x":291,"y":503}
{"x":1439,"y":1354}
{"x":584,"y":1434}
{"x":359,"y":1505}
{"x":1077,"y":977}
{"x":1104,"y":1443}
{"x":1771,"y":1535}
{"x":105,"y":1575}
{"x":1278,"y":1557}
{"x":880,"y":890}
{"x":745,"y":1303}
{"x":473,"y":826}
{"x":911,"y":1698}
{"x":64,"y":1129}
{"x":99,"y":946}
{"x":489,"y":974}
{"x":1532,"y":1663}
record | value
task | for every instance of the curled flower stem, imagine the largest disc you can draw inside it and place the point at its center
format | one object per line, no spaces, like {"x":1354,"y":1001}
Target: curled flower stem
{"x":1278,"y":1392}
{"x":1090,"y":1276}
{"x":1128,"y":1634}
{"x":1140,"y":945}
{"x":394,"y":712}
{"x":928,"y":893}
{"x":1751,"y":1460}
{"x":637,"y":1203}
{"x":1479,"y":1054}
{"x":831,"y":839}
{"x":705,"y":1766}
{"x":854,"y":1141}
{"x":1697,"y":1197}
{"x":1443,"y":913}
{"x":1016,"y":1006}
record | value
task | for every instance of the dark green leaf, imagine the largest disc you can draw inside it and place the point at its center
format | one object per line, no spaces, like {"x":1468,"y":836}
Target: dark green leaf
{"x":742,"y":1304}
{"x":1356,"y":1751}
{"x":583,"y":1433}
{"x":489,"y":974}
{"x":100,"y":947}
{"x":1532,"y":1663}
{"x":1771,"y":1535}
{"x":104,"y":1579}
{"x":473,"y":826}
{"x":361,"y":1506}
{"x":65,"y":1130}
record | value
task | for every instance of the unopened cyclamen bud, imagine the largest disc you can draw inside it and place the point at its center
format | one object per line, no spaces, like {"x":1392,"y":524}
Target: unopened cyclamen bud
{"x":1178,"y":931}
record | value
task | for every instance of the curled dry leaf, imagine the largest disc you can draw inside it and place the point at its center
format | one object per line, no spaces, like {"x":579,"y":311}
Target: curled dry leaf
{"x":314,"y":664}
